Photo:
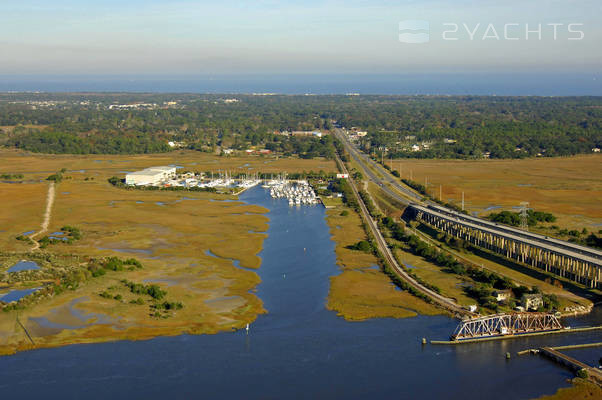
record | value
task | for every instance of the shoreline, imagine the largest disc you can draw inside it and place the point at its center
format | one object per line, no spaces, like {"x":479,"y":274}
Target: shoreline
{"x":238,"y":275}
{"x":361,"y":291}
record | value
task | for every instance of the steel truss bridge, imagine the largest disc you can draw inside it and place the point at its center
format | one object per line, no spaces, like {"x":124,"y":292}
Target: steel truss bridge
{"x":506,"y":324}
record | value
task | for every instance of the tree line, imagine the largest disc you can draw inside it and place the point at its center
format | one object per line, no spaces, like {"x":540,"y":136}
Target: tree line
{"x":501,"y":127}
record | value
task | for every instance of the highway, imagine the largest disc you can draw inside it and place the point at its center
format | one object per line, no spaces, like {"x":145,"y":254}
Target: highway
{"x":571,"y":249}
{"x":507,"y":235}
{"x":363,"y":161}
{"x":414,"y":200}
{"x":443,"y":301}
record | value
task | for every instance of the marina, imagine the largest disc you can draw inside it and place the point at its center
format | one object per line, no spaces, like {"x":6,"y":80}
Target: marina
{"x":297,"y":192}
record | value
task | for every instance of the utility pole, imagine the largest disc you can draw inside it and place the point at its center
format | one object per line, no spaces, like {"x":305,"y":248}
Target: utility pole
{"x":462,"y":201}
{"x":524,"y":216}
{"x":440,"y":193}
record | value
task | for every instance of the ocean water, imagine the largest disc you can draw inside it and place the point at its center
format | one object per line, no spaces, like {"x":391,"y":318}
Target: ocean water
{"x":514,"y":84}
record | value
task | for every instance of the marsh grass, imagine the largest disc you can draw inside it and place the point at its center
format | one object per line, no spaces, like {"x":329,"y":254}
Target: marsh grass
{"x":169,"y":240}
{"x":362,"y":291}
{"x":568,"y":187}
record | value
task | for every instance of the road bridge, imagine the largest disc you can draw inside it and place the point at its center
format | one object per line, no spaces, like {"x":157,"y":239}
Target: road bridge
{"x":587,"y":251}
{"x":568,"y":260}
{"x":583,"y":266}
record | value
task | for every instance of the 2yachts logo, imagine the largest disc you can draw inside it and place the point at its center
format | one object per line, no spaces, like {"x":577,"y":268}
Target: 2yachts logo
{"x":418,"y":31}
{"x":414,"y":31}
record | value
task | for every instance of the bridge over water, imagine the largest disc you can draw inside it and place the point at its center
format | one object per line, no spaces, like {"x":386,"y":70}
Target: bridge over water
{"x":564,"y":259}
{"x":568,"y":260}
{"x":506,"y":324}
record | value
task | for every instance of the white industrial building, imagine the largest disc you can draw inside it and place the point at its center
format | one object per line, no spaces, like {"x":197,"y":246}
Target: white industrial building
{"x":150,"y":176}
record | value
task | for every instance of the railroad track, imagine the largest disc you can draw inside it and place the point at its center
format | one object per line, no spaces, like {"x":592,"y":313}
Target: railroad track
{"x":442,"y":301}
{"x":565,"y":256}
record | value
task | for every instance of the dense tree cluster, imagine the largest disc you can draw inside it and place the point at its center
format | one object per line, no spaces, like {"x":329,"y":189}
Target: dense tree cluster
{"x":11,"y":176}
{"x":153,"y":290}
{"x":513,"y":218}
{"x":56,"y":142}
{"x":503,"y":127}
{"x":342,"y":186}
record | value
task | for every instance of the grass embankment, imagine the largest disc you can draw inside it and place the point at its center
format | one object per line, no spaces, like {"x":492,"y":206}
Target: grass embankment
{"x":362,"y":290}
{"x":331,"y":202}
{"x":385,"y":203}
{"x":568,"y":187}
{"x":169,"y":232}
{"x":582,"y":389}
{"x":452,"y":284}
{"x":522,"y":275}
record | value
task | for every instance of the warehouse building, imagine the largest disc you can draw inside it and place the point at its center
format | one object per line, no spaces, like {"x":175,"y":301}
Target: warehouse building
{"x":150,"y":176}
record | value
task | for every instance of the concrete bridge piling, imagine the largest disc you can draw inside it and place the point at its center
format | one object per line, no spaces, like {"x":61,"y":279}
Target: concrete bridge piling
{"x":564,"y":259}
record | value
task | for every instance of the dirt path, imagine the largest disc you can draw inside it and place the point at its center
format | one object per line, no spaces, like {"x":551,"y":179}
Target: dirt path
{"x":47,"y":216}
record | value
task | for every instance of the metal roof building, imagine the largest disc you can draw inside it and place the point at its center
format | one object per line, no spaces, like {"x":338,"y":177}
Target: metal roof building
{"x":150,"y":176}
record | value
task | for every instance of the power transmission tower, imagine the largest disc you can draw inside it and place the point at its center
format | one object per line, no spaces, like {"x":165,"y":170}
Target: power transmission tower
{"x":524,"y":215}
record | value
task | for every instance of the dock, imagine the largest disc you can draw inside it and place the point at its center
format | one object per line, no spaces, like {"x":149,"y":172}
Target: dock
{"x":563,"y":359}
{"x":569,"y":347}
{"x":593,"y":374}
{"x":553,"y":353}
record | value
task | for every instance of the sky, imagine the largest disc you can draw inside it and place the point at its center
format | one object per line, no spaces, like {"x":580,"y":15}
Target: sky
{"x":80,"y":37}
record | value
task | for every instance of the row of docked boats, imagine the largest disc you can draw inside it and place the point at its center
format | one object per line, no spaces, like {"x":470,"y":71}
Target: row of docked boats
{"x":298,"y":193}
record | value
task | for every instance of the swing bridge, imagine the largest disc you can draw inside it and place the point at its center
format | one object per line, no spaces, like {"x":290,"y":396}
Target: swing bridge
{"x":506,"y":324}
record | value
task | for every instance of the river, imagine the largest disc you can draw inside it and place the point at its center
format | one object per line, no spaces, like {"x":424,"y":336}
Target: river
{"x":299,"y":349}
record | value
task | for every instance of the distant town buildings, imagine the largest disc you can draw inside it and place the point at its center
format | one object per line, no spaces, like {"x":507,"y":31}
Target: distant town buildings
{"x":300,"y":133}
{"x":175,"y":145}
{"x":143,"y":106}
{"x":136,"y":106}
{"x":262,"y":151}
{"x":355,"y":134}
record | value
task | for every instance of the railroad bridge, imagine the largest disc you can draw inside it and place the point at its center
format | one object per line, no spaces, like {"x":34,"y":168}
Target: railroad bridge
{"x":568,"y":260}
{"x":505,"y":324}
